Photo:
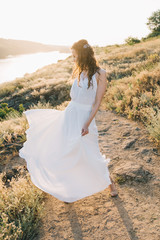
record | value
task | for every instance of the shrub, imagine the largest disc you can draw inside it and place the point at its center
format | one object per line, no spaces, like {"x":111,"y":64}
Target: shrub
{"x":152,"y":121}
{"x":131,"y":40}
{"x":6,"y":112}
{"x":21,"y":208}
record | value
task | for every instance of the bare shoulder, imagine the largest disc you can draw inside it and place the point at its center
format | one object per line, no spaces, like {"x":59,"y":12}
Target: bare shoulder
{"x":101,"y":75}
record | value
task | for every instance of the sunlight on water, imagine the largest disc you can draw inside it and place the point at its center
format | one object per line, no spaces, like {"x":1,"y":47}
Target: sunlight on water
{"x":17,"y":66}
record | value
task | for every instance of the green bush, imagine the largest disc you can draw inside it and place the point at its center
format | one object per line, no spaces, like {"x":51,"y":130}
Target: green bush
{"x":131,"y":40}
{"x":6,"y":111}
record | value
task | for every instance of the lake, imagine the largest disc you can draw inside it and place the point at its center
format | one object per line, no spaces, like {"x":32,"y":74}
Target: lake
{"x":16,"y":66}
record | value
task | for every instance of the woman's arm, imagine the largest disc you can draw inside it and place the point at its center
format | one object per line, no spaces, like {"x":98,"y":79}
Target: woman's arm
{"x":101,"y":88}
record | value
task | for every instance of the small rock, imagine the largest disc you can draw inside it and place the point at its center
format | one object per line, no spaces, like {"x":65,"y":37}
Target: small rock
{"x":127,"y":124}
{"x":126,"y":133}
{"x":137,"y":129}
{"x":110,"y":165}
{"x":149,"y":160}
{"x":103,"y":131}
{"x":120,"y":125}
{"x":145,"y":151}
{"x":129,"y":143}
{"x":155,"y":151}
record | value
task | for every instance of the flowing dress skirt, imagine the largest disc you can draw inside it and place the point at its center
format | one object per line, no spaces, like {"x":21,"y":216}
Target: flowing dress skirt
{"x":60,"y":160}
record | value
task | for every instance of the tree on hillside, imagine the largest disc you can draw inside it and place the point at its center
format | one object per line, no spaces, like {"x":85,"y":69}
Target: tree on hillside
{"x":154,"y":24}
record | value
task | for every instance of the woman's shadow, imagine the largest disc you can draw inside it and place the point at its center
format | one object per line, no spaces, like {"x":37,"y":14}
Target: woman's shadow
{"x":76,"y":226}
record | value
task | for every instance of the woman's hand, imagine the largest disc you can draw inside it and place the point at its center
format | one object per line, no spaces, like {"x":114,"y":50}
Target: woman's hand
{"x":85,"y":130}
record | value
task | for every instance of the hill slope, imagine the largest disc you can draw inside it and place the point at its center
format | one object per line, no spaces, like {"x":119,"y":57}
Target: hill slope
{"x":15,"y":47}
{"x":133,"y":74}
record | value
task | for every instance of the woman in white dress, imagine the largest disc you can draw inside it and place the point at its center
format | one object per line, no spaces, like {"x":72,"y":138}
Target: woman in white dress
{"x":62,"y":151}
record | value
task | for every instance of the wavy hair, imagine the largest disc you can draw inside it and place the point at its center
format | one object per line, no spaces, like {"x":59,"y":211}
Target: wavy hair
{"x":86,"y":60}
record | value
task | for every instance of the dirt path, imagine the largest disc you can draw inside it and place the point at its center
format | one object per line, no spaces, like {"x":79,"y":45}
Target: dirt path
{"x":135,"y":213}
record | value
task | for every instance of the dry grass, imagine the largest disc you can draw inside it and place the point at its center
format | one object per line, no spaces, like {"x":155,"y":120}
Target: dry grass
{"x":134,"y":82}
{"x":138,"y":98}
{"x":152,"y":122}
{"x":21,"y":208}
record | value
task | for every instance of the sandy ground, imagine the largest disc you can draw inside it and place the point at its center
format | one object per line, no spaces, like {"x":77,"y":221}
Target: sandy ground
{"x":135,"y":213}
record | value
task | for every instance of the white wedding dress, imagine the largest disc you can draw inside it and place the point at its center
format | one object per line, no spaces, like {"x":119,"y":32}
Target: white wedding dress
{"x":60,"y":160}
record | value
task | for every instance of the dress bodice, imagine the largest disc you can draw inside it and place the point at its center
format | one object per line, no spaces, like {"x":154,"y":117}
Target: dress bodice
{"x":82,"y":94}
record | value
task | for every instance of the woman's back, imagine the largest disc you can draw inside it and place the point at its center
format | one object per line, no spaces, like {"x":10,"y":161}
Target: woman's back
{"x":82,"y":94}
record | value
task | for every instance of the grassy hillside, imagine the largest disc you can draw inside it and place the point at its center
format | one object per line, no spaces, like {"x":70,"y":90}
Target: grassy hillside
{"x":14,"y":47}
{"x":133,"y":83}
{"x":133,"y":90}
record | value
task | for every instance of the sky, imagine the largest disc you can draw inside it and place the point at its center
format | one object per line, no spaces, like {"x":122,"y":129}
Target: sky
{"x":62,"y":22}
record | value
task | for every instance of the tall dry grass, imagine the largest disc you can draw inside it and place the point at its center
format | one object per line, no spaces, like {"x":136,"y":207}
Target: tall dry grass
{"x":133,"y":90}
{"x":21,"y":208}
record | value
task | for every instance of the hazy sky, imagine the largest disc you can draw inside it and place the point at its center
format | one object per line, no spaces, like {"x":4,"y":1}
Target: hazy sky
{"x":62,"y":22}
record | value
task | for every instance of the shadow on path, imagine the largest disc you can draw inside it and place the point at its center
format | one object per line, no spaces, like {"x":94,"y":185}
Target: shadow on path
{"x":125,"y":218}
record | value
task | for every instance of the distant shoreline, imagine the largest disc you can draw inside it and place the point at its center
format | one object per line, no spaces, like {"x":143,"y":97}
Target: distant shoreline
{"x":17,"y":55}
{"x":11,"y":47}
